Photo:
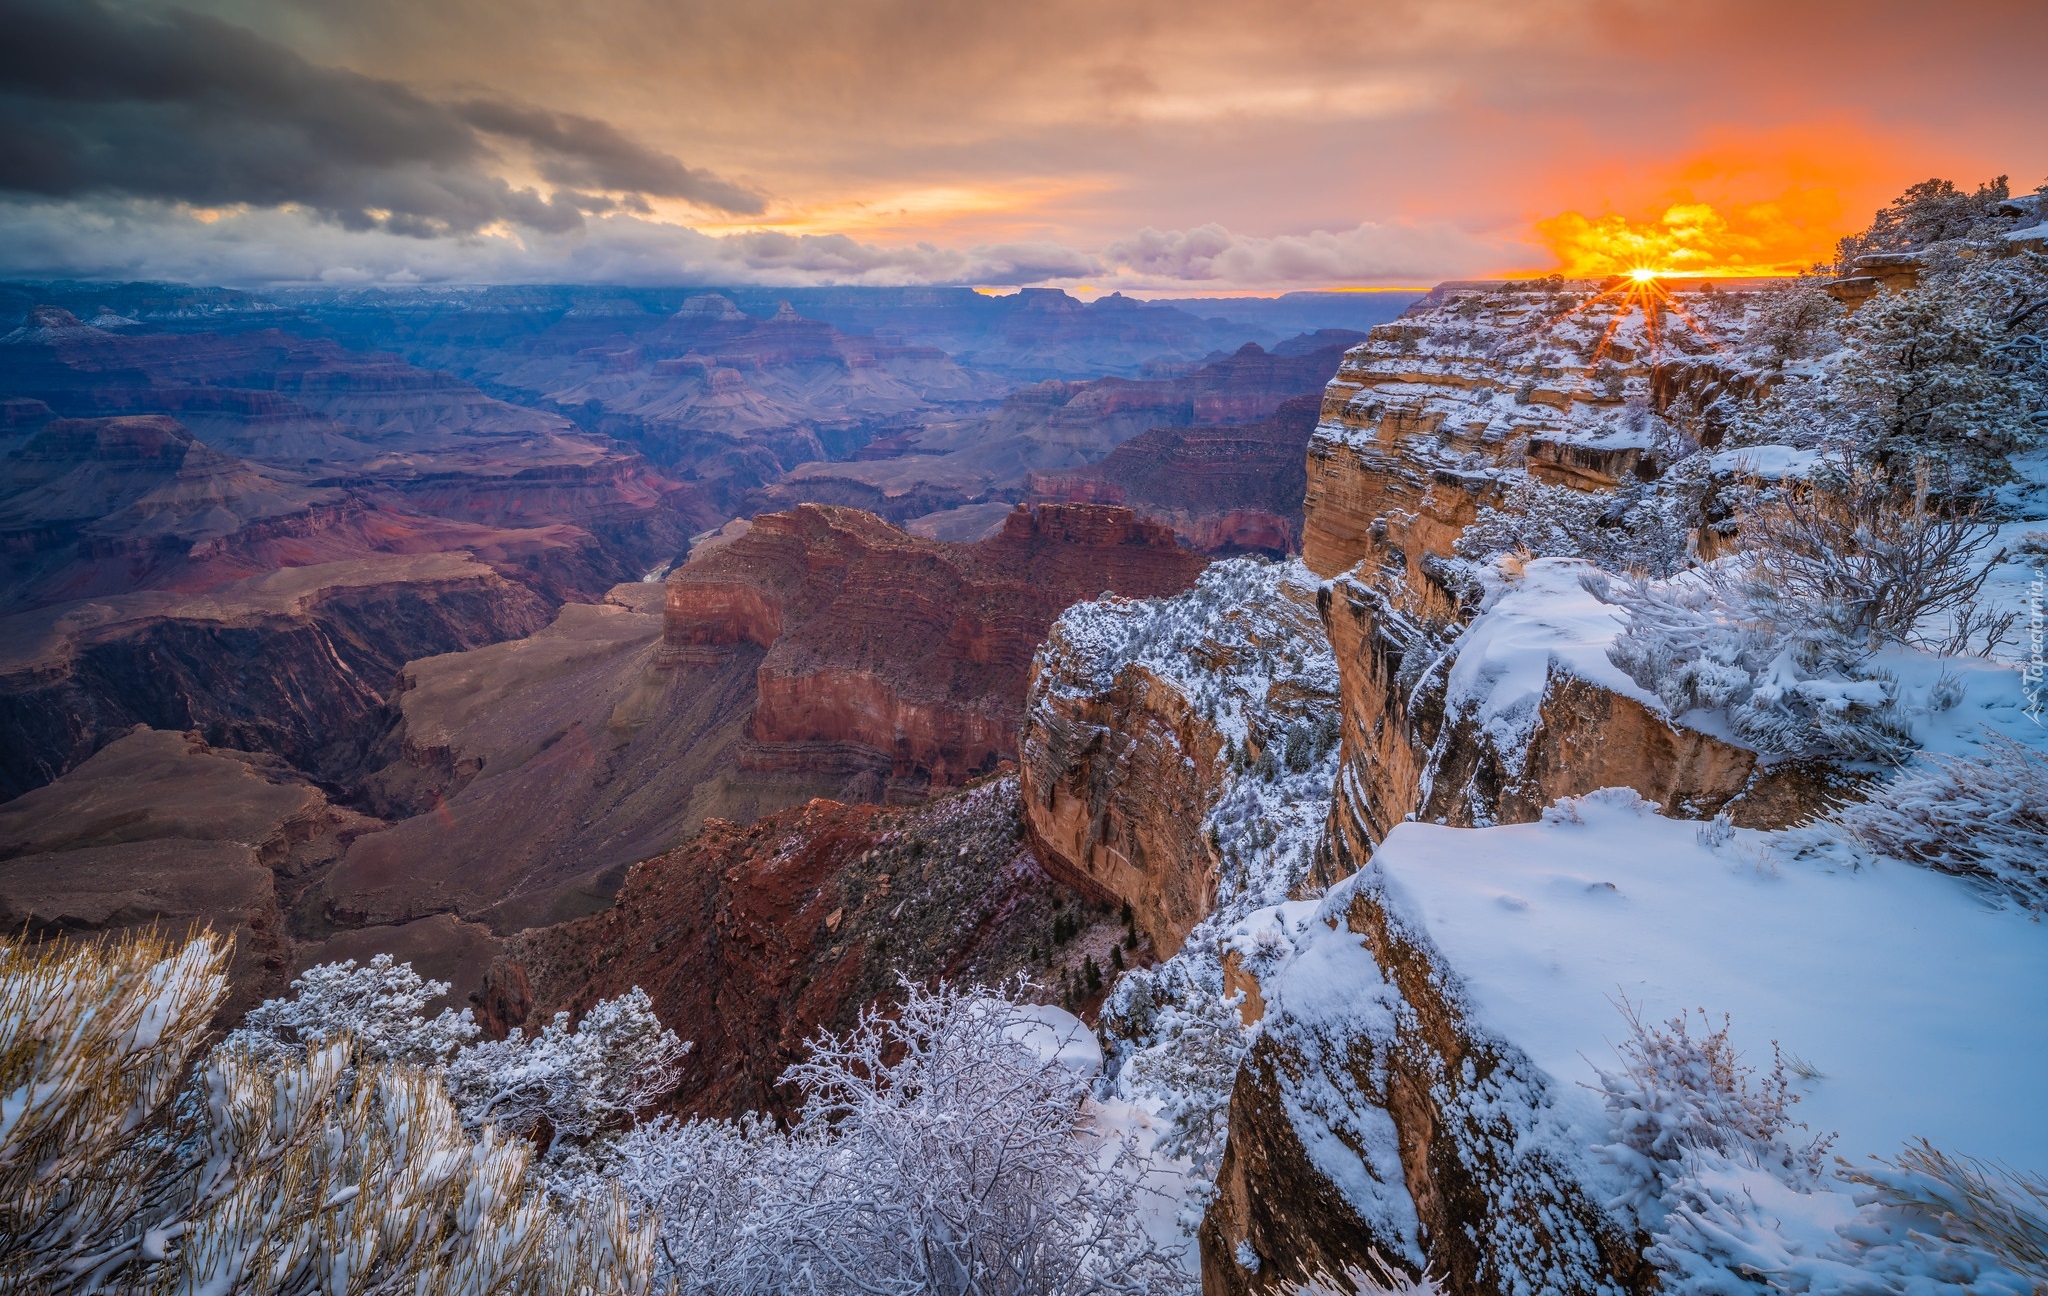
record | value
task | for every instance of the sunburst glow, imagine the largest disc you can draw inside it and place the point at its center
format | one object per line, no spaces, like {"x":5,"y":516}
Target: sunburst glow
{"x":1688,"y":240}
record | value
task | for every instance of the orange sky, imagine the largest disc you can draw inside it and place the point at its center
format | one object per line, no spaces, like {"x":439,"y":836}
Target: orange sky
{"x":1188,"y":147}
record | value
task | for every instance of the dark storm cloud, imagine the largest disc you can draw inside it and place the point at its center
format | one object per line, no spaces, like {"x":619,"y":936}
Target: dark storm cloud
{"x":96,"y":100}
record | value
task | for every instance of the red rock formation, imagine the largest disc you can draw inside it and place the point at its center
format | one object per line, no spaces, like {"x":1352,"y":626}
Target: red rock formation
{"x":909,"y":654}
{"x":750,"y":940}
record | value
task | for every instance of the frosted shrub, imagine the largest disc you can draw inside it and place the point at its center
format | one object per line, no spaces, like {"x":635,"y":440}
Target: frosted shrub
{"x":1994,"y":1211}
{"x":934,"y":1153}
{"x":1925,"y":1222}
{"x":578,"y":1080}
{"x":1983,"y":816}
{"x":1634,"y":529}
{"x":1780,"y":635}
{"x":1862,"y":558}
{"x":1678,"y":1093}
{"x":268,"y":1174}
{"x":1180,"y":1040}
{"x":1706,"y":641}
{"x":379,"y":1007}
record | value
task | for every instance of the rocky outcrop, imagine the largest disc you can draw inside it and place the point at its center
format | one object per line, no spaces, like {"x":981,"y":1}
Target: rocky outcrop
{"x":1373,"y":1115}
{"x":752,"y":939}
{"x":1232,"y":489}
{"x":1165,"y":744}
{"x":1374,"y":1118}
{"x":1431,"y":737}
{"x":1484,"y":375}
{"x":897,"y":657}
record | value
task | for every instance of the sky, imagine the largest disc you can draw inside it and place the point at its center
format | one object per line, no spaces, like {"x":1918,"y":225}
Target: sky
{"x":1193,"y":148}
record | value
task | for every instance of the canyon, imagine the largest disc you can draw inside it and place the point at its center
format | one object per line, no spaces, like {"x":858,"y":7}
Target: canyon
{"x":946,"y":662}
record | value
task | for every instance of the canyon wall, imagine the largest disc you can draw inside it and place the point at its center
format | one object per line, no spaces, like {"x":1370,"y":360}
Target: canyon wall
{"x":895,"y":656}
{"x":1229,"y":489}
{"x":1173,"y":750}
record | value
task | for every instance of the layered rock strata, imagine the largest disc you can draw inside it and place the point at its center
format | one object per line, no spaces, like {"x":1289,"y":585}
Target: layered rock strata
{"x":301,"y":662}
{"x":1420,"y":421}
{"x":898,"y":657}
{"x":1231,"y":489}
{"x":816,"y":653}
{"x":160,"y":829}
{"x":1172,"y":749}
{"x":1055,"y":426}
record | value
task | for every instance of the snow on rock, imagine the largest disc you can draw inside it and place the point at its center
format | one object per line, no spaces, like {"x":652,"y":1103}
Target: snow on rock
{"x":1055,"y":1035}
{"x":1530,"y":625}
{"x":1179,"y":753}
{"x":1770,"y":462}
{"x":1923,"y":1009}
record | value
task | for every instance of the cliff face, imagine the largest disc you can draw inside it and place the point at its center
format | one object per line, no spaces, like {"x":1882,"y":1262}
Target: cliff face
{"x":750,"y":940}
{"x":1373,"y":1114}
{"x":815,"y":653}
{"x":300,"y":662}
{"x":1481,"y":376}
{"x":160,"y":829}
{"x":1169,"y":747}
{"x":147,"y":577}
{"x":893,"y":655}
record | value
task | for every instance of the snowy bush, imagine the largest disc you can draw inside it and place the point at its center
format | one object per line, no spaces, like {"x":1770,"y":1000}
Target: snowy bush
{"x":1678,"y":1093}
{"x":264,"y":1173}
{"x":379,"y":1008}
{"x":1797,"y":322}
{"x":1943,"y":374}
{"x":1707,"y":641}
{"x":1927,"y":1222}
{"x":1933,"y":211}
{"x":576,"y":1081}
{"x":1178,"y":1041}
{"x":1992,"y":1211}
{"x":1637,"y":528}
{"x":1780,"y":635}
{"x":1983,"y":816}
{"x":934,"y":1152}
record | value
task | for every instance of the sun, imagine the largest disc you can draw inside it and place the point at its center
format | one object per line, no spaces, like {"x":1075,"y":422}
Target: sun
{"x":1641,"y":275}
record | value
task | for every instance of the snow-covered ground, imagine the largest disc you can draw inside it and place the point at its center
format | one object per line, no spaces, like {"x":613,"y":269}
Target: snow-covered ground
{"x":1922,"y":1005}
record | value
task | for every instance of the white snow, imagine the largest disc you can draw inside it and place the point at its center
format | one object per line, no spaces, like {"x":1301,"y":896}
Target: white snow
{"x":1924,"y":1007}
{"x":1544,"y":619}
{"x":1055,"y":1035}
{"x":1770,"y":462}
